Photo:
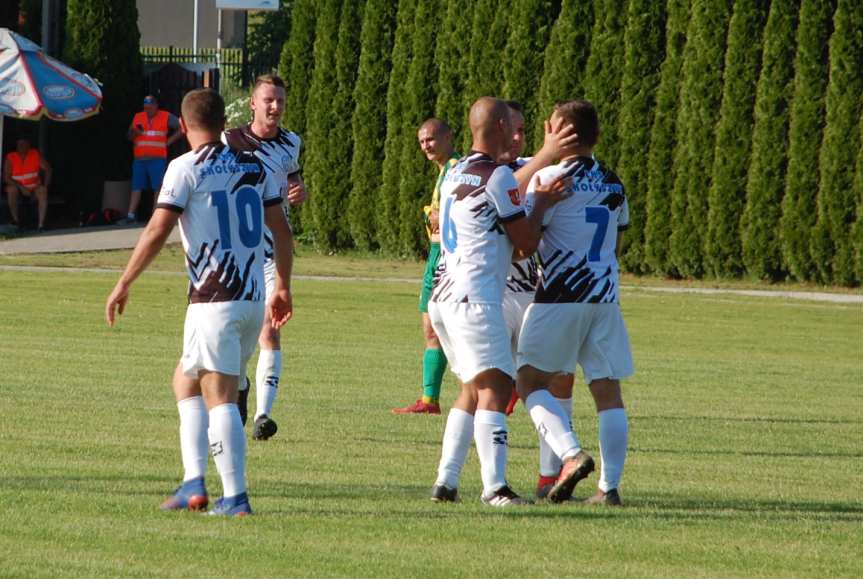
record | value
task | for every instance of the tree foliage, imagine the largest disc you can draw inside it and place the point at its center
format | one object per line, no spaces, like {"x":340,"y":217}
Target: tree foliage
{"x":661,"y":173}
{"x":799,"y":207}
{"x":565,"y":59}
{"x":369,"y":120}
{"x":529,"y":31}
{"x":451,"y":52}
{"x":605,"y":66}
{"x":766,"y":184}
{"x":417,"y":173}
{"x":644,"y":50}
{"x":700,"y":99}
{"x":727,"y":197}
{"x":832,"y":250}
{"x":398,"y":133}
{"x":331,"y":108}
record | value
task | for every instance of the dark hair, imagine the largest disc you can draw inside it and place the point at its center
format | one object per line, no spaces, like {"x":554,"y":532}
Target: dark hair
{"x":515,"y":105}
{"x":582,"y":115}
{"x":204,"y":108}
{"x":272,"y":79}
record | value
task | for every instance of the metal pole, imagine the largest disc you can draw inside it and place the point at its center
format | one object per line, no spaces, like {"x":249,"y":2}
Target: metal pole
{"x":195,"y":34}
{"x":219,"y":41}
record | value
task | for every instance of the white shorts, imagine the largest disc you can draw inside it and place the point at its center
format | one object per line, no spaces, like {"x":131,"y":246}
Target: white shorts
{"x":474,"y":338}
{"x":556,"y":337}
{"x":514,"y":306}
{"x":269,"y":277}
{"x":221,"y":336}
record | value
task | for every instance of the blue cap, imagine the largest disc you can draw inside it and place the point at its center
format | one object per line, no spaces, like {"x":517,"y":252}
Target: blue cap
{"x":149,"y":101}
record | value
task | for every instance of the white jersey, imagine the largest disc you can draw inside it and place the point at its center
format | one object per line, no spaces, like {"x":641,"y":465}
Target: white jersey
{"x":577,"y":258}
{"x":221,"y":194}
{"x":477,"y":195}
{"x":523,"y":275}
{"x":280,"y":155}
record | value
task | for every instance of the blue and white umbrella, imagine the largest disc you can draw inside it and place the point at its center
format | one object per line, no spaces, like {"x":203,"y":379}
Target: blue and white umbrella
{"x":33,"y":85}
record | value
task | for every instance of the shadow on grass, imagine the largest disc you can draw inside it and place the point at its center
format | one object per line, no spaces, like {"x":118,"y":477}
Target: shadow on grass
{"x":393,"y":501}
{"x":746,"y":419}
{"x":753,"y":453}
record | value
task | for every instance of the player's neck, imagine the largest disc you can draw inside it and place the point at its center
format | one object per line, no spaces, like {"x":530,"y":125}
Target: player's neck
{"x":263,"y":131}
{"x":578,"y":152}
{"x":198,"y":138}
{"x":442,"y":160}
{"x":481,"y":146}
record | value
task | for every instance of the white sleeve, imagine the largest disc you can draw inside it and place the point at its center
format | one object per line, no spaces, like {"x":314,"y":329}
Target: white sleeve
{"x":294,"y":163}
{"x":177,"y":186}
{"x":623,"y":216}
{"x":530,"y":201}
{"x":502,"y":191}
{"x":271,"y":194}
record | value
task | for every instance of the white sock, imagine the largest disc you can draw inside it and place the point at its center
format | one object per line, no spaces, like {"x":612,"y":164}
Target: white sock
{"x":457,"y":437}
{"x":549,"y":463}
{"x":613,"y":438}
{"x":267,"y":381}
{"x":194,"y":422}
{"x":228,"y":444}
{"x":490,"y":435}
{"x":552,"y":424}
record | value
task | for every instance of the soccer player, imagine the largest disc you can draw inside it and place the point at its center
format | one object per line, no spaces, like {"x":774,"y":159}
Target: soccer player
{"x":575,"y":317}
{"x":482,"y":220}
{"x":435,"y":140}
{"x":518,"y":295}
{"x":520,"y":288}
{"x":279,"y":151}
{"x":221,"y":199}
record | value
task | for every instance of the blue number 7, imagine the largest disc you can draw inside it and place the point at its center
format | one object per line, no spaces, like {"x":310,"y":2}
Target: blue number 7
{"x":599,"y":216}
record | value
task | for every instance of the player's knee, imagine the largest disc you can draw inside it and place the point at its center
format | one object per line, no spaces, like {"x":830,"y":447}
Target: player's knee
{"x":269,"y":338}
{"x":10,"y":190}
{"x":606,"y":394}
{"x":528,"y":380}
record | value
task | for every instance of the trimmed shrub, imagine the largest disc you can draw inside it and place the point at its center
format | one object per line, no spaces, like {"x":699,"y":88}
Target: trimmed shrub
{"x":799,"y":207}
{"x":644,"y":46}
{"x":661,"y":170}
{"x":766,"y":183}
{"x":727,"y":197}
{"x":700,"y":99}
{"x":832,"y":251}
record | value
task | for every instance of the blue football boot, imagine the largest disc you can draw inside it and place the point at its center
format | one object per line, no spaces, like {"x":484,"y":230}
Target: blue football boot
{"x":192,"y":495}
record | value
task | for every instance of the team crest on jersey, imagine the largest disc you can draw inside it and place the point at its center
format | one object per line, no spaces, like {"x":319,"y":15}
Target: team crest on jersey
{"x":514,"y":196}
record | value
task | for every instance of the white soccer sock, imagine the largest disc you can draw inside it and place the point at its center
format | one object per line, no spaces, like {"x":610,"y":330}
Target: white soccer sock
{"x":228,"y":444}
{"x":490,"y":435}
{"x":193,"y":436}
{"x":549,"y":463}
{"x":552,"y":424}
{"x":456,"y":442}
{"x":613,"y":438}
{"x":267,"y":380}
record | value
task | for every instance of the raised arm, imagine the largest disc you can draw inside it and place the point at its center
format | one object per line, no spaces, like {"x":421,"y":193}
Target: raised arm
{"x":526,"y":233}
{"x":558,"y":136}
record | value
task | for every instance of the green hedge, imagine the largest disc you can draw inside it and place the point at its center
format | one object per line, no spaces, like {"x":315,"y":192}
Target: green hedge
{"x":736,"y":131}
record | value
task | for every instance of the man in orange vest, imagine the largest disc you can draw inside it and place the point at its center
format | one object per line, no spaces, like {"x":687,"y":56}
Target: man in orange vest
{"x":21,"y":177}
{"x":152,"y":131}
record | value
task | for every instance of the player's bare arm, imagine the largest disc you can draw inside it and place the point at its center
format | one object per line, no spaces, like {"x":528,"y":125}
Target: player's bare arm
{"x":297,"y":193}
{"x":151,"y":242}
{"x":525,"y":233}
{"x":559,"y":136}
{"x":280,"y":303}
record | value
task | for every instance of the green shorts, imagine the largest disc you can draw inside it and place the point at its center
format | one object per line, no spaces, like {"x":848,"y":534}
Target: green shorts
{"x":428,"y":276}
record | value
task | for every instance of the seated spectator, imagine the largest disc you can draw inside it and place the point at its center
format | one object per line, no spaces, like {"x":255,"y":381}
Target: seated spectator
{"x":21,"y":178}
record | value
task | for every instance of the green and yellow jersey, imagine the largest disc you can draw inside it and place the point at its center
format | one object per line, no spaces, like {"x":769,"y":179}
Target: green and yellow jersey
{"x":435,"y":200}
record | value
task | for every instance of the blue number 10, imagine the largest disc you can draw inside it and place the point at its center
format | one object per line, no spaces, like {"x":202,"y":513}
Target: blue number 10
{"x":449,"y":236}
{"x":599,"y":216}
{"x":250,"y":232}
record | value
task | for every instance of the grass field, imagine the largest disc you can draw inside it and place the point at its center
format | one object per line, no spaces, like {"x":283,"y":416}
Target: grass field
{"x":745,"y":455}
